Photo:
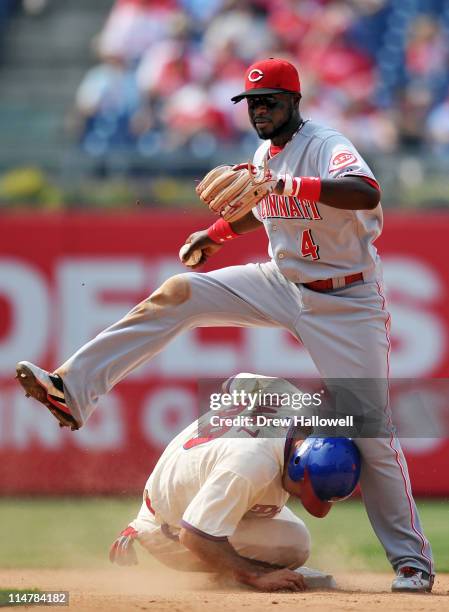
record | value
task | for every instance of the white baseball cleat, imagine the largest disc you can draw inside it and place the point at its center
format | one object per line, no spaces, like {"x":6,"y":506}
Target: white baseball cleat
{"x":314,"y":579}
{"x":48,"y":389}
{"x":412,"y":580}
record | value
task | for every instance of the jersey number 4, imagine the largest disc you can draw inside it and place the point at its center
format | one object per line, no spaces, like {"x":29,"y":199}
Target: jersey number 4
{"x":308,"y":246}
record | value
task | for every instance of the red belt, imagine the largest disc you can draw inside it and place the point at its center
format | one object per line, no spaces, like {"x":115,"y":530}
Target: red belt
{"x":328,"y":284}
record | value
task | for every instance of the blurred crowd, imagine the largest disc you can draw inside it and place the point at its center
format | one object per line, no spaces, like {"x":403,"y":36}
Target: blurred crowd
{"x":7,"y":8}
{"x":30,"y":7}
{"x":378,"y":70}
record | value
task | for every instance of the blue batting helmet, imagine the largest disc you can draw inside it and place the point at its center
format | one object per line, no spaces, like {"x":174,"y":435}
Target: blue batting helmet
{"x":329,"y":470}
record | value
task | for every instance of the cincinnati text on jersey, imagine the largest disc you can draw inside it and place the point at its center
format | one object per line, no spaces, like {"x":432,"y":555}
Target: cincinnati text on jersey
{"x":288,"y":207}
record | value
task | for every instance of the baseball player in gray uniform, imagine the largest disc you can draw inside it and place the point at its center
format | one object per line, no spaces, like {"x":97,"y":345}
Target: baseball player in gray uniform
{"x":323,"y":283}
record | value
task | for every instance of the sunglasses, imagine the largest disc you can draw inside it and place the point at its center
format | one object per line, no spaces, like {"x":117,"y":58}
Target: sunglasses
{"x":269,"y":102}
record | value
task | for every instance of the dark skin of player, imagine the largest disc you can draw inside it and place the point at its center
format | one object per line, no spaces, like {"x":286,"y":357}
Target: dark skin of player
{"x":220,"y":555}
{"x":276,"y":117}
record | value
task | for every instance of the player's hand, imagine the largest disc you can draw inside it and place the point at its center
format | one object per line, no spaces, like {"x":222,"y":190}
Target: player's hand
{"x":278,"y":580}
{"x":122,"y":550}
{"x":200,"y":240}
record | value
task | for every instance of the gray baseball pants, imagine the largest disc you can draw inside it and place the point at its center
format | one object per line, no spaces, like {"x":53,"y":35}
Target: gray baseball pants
{"x":345,"y":332}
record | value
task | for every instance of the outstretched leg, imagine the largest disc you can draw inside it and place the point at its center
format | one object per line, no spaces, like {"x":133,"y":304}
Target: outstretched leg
{"x":250,"y":295}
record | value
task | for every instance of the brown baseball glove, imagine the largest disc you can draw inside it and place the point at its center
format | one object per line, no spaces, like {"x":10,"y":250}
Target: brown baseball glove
{"x":232,"y":191}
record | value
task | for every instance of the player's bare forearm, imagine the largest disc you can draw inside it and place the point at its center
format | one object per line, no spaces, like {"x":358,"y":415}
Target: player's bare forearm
{"x":246,"y":224}
{"x":220,"y":556}
{"x":349,"y":193}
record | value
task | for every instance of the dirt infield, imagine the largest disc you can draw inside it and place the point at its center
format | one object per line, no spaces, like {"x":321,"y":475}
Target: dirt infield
{"x":137,"y":588}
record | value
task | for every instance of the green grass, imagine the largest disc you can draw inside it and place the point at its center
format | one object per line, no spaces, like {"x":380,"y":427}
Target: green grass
{"x":61,"y":532}
{"x":77,"y":532}
{"x":346,"y":540}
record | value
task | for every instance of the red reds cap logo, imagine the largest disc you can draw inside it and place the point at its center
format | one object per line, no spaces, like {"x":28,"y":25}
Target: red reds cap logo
{"x":255,"y":75}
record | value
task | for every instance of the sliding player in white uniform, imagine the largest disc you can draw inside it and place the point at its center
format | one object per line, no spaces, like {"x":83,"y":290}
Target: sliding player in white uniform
{"x":217,"y":504}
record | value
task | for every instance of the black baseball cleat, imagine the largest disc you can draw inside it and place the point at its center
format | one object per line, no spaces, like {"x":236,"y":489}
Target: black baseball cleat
{"x":48,"y":389}
{"x":412,"y":580}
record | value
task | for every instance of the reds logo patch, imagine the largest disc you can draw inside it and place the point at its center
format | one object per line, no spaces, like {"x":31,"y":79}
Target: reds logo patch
{"x":342,"y":159}
{"x":255,"y":75}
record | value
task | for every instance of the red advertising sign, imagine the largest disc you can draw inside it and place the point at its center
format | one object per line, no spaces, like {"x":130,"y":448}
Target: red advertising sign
{"x":65,"y":277}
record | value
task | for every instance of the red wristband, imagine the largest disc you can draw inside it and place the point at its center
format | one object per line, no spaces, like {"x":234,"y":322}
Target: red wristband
{"x":221,"y":231}
{"x":307,"y":188}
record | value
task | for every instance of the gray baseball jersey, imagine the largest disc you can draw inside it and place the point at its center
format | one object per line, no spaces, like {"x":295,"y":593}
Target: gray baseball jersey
{"x":308,"y":240}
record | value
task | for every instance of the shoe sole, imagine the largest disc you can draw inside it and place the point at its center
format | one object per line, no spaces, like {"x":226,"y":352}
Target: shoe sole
{"x":34,"y":389}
